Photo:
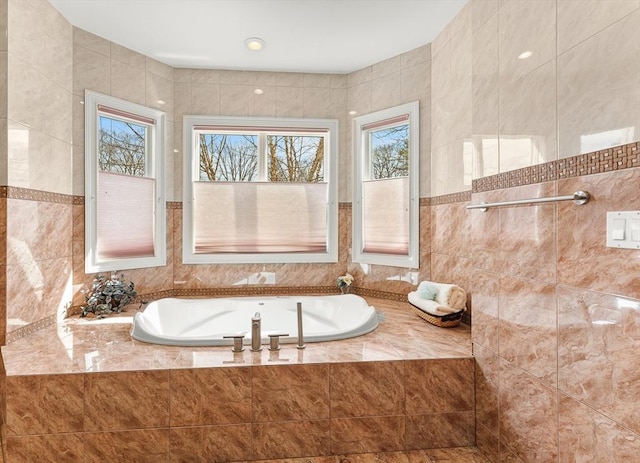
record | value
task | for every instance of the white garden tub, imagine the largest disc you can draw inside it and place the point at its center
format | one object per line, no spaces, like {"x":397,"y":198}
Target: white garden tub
{"x":205,"y":322}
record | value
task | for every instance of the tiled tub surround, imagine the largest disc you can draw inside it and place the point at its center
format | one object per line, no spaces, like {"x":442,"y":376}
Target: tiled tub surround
{"x":556,"y":313}
{"x":85,"y":391}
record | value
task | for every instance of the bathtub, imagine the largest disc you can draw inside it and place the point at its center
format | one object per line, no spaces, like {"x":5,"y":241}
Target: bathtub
{"x":205,"y":322}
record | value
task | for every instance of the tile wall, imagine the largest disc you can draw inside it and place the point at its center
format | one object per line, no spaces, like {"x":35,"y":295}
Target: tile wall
{"x":241,"y":413}
{"x":555,"y":312}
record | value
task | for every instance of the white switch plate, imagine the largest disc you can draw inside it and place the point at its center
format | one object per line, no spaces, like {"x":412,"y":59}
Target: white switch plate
{"x":614,"y":232}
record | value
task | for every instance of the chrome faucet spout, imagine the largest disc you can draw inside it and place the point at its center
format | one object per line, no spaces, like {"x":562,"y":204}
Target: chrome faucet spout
{"x":256,"y":334}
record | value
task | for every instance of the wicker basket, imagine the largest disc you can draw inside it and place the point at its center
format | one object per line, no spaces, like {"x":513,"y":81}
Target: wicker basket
{"x":444,"y":321}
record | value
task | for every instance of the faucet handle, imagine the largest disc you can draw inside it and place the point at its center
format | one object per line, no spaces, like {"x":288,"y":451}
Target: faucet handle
{"x":274,"y":340}
{"x":237,"y":341}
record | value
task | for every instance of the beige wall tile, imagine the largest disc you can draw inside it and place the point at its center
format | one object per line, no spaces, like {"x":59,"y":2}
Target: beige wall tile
{"x":528,"y":128}
{"x":127,"y":82}
{"x":581,"y":19}
{"x":289,"y":102}
{"x":84,"y":39}
{"x":386,"y":91}
{"x":127,"y":56}
{"x":600,"y":108}
{"x":91,"y":70}
{"x":527,"y":25}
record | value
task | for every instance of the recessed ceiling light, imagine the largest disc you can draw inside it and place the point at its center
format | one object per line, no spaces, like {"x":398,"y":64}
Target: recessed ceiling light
{"x":258,"y":91}
{"x":525,"y":54}
{"x":254,"y":43}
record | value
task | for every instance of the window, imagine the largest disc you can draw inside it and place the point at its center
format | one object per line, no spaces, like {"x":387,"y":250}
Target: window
{"x":260,"y":190}
{"x":125,"y":208}
{"x":386,"y":187}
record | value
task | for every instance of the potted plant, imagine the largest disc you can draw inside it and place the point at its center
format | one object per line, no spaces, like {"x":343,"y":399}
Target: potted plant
{"x":108,"y":295}
{"x":344,"y":282}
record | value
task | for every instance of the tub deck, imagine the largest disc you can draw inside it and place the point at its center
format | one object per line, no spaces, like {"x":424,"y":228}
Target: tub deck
{"x":84,"y":391}
{"x":81,"y":345}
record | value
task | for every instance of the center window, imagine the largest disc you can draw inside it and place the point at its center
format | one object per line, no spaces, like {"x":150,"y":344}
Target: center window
{"x":260,"y":190}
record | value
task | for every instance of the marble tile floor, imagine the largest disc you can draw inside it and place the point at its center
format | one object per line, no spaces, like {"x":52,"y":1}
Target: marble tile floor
{"x":82,"y":345}
{"x":450,"y":455}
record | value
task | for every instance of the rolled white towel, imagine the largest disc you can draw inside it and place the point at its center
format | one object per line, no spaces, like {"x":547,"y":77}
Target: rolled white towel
{"x":431,"y":307}
{"x":448,"y":295}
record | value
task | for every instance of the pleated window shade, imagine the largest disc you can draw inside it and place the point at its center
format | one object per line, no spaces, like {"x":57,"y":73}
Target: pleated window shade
{"x":259,"y":217}
{"x":386,"y":216}
{"x":125,"y":217}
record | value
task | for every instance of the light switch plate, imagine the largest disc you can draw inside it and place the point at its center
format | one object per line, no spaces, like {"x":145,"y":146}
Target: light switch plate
{"x":622,"y":229}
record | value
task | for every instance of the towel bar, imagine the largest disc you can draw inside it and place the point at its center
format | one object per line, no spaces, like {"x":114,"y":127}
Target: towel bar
{"x":579,"y":197}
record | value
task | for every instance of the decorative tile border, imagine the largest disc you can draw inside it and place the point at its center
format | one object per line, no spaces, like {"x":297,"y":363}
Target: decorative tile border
{"x":460,"y":197}
{"x":31,"y":328}
{"x":13,"y":192}
{"x":597,"y":162}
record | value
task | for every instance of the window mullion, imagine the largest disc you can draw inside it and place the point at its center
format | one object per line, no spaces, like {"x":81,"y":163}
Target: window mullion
{"x":262,"y":157}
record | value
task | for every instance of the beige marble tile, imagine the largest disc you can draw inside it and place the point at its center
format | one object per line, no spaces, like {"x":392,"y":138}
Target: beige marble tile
{"x":485,"y":98}
{"x":317,"y":102}
{"x":290,"y":439}
{"x":139,"y":446}
{"x":44,"y":404}
{"x":85,"y":39}
{"x":373,"y":434}
{"x":127,"y":82}
{"x":415,"y":83}
{"x":289,"y":102}
{"x":359,"y":98}
{"x":580,"y":19}
{"x":583,"y":259}
{"x":450,"y":229}
{"x":367,"y":389}
{"x":386,"y":90}
{"x":127,"y":56}
{"x":597,"y":365}
{"x":210,"y":444}
{"x":528,"y":415}
{"x":206,"y":396}
{"x":201,"y":76}
{"x":481,"y":11}
{"x":528,"y":128}
{"x":586,"y":435}
{"x":525,"y":25}
{"x":206,"y":99}
{"x":48,"y":448}
{"x":159,"y":94}
{"x":159,"y":69}
{"x":135,"y":400}
{"x":528,"y":327}
{"x":91,"y":70}
{"x":599,"y":108}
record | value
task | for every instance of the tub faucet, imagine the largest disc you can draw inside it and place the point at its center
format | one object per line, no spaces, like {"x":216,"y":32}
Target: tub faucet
{"x":255,"y":332}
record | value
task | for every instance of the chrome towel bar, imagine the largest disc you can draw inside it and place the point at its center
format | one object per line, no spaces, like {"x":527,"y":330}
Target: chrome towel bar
{"x":579,"y":197}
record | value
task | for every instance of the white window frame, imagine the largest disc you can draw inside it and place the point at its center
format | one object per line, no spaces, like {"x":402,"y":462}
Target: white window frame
{"x":191,"y":172}
{"x":361,"y":157}
{"x":154,"y":166}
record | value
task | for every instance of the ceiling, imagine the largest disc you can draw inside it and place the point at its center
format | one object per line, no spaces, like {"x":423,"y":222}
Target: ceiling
{"x":324,"y":36}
